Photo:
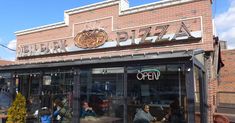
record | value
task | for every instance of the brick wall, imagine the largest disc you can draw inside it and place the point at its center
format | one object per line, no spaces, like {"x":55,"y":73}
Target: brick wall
{"x":109,"y":17}
{"x":212,"y":82}
{"x":4,"y":62}
{"x":227,"y":78}
{"x":159,"y":15}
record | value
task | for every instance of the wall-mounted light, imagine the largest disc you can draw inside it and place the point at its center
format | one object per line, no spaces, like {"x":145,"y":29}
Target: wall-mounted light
{"x":189,"y":69}
{"x":104,"y":71}
{"x":179,"y":69}
{"x":15,"y":76}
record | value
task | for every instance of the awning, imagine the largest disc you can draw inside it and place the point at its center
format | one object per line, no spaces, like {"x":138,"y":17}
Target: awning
{"x":110,"y":59}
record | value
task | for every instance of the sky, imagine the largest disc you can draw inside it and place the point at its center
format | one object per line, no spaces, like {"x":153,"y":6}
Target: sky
{"x":18,"y":15}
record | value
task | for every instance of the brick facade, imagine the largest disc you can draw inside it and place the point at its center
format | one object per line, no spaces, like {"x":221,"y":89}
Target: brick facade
{"x":199,"y":9}
{"x":226,"y":86}
{"x":227,"y":78}
{"x":4,"y":62}
{"x":196,"y":14}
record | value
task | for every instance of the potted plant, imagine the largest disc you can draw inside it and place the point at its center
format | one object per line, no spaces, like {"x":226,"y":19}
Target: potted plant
{"x":17,"y":111}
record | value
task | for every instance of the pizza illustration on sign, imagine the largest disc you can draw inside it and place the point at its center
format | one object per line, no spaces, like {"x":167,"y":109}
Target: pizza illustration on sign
{"x":89,"y":39}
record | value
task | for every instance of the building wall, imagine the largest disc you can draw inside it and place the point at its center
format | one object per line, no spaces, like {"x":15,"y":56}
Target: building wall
{"x":227,"y":78}
{"x":200,"y":10}
{"x":226,"y":86}
{"x":196,"y":15}
{"x":4,"y":62}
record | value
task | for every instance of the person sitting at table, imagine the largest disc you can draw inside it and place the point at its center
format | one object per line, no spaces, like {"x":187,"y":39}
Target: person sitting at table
{"x":143,"y":115}
{"x":45,"y":115}
{"x":175,"y":114}
{"x":86,"y":110}
{"x":61,"y":113}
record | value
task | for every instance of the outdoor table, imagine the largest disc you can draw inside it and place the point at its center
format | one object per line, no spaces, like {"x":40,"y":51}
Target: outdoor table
{"x":103,"y":119}
{"x":157,"y":122}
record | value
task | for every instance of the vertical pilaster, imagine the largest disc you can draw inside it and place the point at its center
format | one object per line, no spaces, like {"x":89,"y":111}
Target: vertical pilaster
{"x":190,"y":93}
{"x":76,"y":96}
{"x":125,"y":94}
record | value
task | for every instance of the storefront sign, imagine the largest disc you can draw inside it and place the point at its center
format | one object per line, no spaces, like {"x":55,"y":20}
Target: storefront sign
{"x":44,"y":48}
{"x":149,"y":74}
{"x":98,"y":38}
{"x":91,"y":38}
{"x":143,"y":34}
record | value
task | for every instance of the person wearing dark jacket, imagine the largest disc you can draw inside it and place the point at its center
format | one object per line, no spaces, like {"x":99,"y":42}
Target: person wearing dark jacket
{"x":86,"y":110}
{"x":46,"y":99}
{"x":175,"y":114}
{"x":143,"y":115}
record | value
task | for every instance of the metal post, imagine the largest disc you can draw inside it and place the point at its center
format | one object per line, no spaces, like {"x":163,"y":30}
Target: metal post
{"x":179,"y":77}
{"x":190,"y":94}
{"x":203,"y":101}
{"x":125,"y":95}
{"x":76,"y":96}
{"x":13,"y":86}
{"x":40,"y":85}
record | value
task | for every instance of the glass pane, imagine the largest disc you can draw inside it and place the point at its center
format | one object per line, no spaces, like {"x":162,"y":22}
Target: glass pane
{"x":160,"y":87}
{"x":197,"y":94}
{"x":54,"y":99}
{"x":57,"y":95}
{"x":102,"y":95}
{"x":29,"y":87}
{"x":5,"y":95}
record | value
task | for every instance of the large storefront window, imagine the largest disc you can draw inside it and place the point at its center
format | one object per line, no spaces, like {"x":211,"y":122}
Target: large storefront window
{"x":197,"y":94}
{"x":159,"y":87}
{"x":49,"y":92}
{"x":57,"y":94}
{"x":28,"y":85}
{"x":200,"y":98}
{"x":102,"y":90}
{"x":5,"y":94}
{"x":197,"y":88}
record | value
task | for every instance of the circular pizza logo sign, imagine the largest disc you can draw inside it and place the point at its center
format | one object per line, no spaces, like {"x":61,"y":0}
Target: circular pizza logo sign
{"x":91,"y":38}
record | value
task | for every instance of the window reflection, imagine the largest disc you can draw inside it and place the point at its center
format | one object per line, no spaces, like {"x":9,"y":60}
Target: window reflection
{"x":197,"y":93}
{"x":102,"y":89}
{"x":43,"y":92}
{"x":5,"y":95}
{"x":158,"y":93}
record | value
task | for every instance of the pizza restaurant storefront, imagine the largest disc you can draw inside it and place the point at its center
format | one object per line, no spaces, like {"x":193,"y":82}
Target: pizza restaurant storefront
{"x":115,"y":86}
{"x":115,"y":69}
{"x":115,"y":90}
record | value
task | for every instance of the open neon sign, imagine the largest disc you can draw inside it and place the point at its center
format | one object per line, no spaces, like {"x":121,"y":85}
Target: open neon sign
{"x":149,"y":74}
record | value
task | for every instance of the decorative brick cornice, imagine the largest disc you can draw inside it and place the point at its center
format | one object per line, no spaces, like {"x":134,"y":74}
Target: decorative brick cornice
{"x":41,"y":28}
{"x":123,"y":10}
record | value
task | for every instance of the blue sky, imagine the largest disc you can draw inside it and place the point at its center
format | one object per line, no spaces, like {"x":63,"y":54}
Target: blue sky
{"x":24,"y":14}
